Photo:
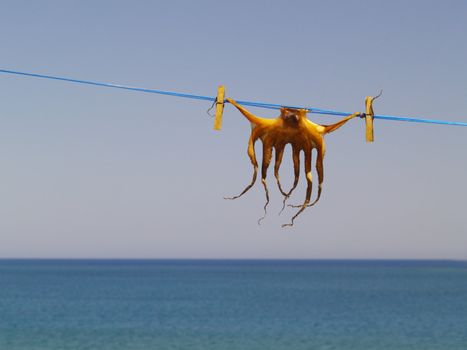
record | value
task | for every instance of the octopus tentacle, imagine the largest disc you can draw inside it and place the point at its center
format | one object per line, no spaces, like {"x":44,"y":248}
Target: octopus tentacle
{"x":253,"y":119}
{"x":296,"y":169}
{"x":277,"y":164}
{"x":254,"y":162}
{"x":267,"y":155}
{"x":335,"y":126}
{"x":320,"y":171}
{"x":309,"y":180}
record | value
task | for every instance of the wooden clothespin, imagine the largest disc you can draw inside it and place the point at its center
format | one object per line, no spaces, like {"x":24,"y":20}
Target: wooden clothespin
{"x":219,"y":107}
{"x":369,"y":117}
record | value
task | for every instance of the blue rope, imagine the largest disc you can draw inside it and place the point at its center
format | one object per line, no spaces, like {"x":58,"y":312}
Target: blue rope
{"x":170,"y":93}
{"x":246,"y":103}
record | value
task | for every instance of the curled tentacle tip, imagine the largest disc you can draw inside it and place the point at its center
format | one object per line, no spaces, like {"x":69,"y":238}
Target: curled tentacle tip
{"x":265,"y":214}
{"x":283,"y":205}
{"x":260,"y":220}
{"x":294,"y":205}
{"x":312,"y":204}
{"x":301,"y":205}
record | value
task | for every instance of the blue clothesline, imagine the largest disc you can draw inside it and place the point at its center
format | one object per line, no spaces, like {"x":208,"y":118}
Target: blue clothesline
{"x":246,"y":103}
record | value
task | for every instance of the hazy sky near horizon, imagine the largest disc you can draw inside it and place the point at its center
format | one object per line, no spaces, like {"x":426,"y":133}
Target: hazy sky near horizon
{"x":94,"y":172}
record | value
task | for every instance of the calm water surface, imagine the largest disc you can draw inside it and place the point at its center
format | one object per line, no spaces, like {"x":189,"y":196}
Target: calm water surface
{"x":173,"y":304}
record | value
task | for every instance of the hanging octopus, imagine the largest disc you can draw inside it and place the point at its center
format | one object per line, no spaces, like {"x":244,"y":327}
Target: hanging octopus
{"x":294,"y":128}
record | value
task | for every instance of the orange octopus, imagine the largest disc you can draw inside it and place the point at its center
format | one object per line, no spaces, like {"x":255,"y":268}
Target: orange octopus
{"x":291,"y":127}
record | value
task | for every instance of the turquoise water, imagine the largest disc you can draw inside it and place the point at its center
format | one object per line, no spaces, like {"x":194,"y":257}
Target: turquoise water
{"x":111,"y":304}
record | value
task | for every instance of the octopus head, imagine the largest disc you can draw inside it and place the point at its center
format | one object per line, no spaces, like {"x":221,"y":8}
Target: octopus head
{"x":292,"y":116}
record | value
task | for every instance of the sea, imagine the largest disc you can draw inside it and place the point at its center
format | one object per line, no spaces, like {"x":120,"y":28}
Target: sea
{"x":233,"y":304}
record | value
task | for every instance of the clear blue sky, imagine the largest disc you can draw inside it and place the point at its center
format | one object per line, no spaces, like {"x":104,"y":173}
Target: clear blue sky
{"x":94,"y":172}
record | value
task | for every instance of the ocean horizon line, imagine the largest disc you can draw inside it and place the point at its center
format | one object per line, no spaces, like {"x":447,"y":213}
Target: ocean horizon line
{"x":233,"y":259}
